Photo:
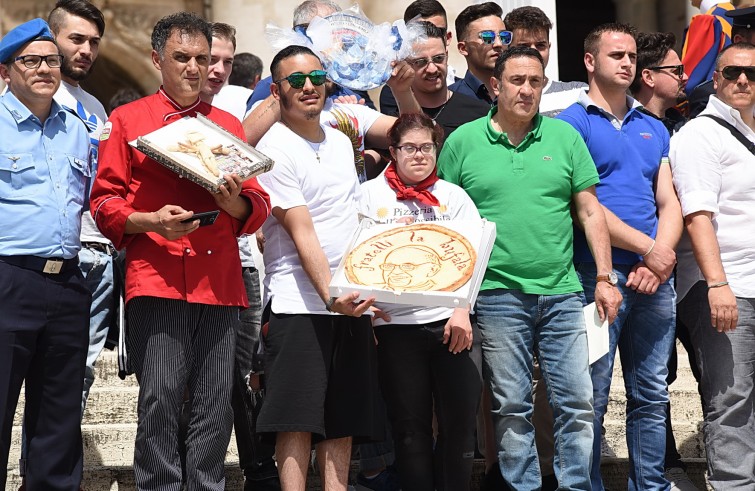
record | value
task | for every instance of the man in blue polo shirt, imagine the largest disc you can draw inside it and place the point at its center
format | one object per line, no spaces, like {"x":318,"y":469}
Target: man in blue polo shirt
{"x":44,"y":313}
{"x":630,"y":150}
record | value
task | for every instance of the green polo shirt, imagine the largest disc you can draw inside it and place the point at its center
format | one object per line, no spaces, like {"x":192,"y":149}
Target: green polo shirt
{"x":527,"y":191}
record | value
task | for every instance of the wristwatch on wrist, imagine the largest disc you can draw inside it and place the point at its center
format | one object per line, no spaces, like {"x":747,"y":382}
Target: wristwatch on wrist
{"x":610,"y":278}
{"x":329,"y":304}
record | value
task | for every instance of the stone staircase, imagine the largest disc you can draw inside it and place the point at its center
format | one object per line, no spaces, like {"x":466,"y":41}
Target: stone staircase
{"x":109,"y":428}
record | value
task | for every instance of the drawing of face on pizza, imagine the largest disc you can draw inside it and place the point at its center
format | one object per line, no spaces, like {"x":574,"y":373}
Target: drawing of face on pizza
{"x":418,"y":257}
{"x":400,"y":273}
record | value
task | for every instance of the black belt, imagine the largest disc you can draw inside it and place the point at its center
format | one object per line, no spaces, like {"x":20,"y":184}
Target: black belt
{"x":101,"y":247}
{"x":42,"y":264}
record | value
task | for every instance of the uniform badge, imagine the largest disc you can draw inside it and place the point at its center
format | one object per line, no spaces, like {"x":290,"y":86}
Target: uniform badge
{"x":106,"y":131}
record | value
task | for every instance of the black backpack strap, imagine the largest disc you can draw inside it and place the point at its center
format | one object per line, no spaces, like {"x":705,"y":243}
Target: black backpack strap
{"x":734,"y":131}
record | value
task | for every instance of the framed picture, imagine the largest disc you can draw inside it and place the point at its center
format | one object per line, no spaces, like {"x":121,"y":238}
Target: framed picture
{"x":435,"y":264}
{"x":200,"y":150}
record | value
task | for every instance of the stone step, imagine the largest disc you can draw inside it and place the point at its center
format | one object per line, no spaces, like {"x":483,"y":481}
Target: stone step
{"x":106,"y":445}
{"x":121,"y":478}
{"x":689,"y":439}
{"x":685,"y":406}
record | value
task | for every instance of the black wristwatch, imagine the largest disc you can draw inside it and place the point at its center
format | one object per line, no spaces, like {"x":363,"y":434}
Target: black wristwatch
{"x":329,"y":304}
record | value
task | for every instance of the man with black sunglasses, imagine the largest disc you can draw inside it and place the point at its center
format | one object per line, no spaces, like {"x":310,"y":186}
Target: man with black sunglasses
{"x":482,"y":38}
{"x":321,"y":368}
{"x":713,"y":167}
{"x":659,"y":85}
{"x":44,"y":169}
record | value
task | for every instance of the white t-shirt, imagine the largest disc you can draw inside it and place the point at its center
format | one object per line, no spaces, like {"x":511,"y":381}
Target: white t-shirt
{"x":91,"y":111}
{"x":354,"y":121}
{"x":232,"y":99}
{"x":328,"y":188}
{"x":379,"y":203}
{"x":558,"y":95}
{"x":714,"y":172}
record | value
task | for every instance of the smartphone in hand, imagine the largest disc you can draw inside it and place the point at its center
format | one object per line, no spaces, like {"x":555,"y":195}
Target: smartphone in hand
{"x":205,"y":218}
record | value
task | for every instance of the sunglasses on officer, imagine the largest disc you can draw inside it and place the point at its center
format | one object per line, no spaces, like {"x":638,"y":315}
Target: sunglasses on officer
{"x":298,"y":79}
{"x":732,"y":72}
{"x":488,"y":37}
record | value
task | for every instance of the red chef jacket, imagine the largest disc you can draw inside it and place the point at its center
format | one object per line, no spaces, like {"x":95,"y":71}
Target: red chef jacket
{"x":201,"y":267}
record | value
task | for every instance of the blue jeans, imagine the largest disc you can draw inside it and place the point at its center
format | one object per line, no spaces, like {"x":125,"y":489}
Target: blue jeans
{"x":514,"y":326}
{"x":97,"y":268}
{"x":644,"y":334}
{"x":727,"y":364}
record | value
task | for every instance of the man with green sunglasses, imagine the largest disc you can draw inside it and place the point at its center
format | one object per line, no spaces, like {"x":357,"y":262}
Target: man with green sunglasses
{"x":482,"y":38}
{"x":320,"y":368}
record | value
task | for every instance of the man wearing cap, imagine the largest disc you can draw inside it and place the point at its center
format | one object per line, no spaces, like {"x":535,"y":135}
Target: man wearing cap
{"x":183,"y":283}
{"x":44,"y":313}
{"x":712,"y":165}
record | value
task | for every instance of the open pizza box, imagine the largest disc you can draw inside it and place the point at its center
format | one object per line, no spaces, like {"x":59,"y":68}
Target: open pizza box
{"x":200,"y":150}
{"x":433,"y":264}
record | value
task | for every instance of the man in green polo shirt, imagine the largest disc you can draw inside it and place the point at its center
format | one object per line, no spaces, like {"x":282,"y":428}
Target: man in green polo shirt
{"x":525,"y":172}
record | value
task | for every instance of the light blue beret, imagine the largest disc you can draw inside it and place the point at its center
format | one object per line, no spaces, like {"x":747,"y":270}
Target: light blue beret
{"x":35,"y":29}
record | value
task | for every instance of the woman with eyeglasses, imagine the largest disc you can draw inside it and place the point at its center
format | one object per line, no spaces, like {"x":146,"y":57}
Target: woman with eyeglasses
{"x":427,"y":360}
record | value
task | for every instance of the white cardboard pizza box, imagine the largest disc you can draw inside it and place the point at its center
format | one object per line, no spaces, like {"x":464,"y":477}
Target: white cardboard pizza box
{"x":480,"y":234}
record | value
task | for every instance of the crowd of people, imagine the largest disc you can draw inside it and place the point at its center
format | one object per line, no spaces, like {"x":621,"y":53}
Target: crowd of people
{"x":603,"y":192}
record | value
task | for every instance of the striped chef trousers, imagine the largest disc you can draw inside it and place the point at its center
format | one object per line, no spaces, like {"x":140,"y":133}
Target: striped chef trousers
{"x":177,"y":346}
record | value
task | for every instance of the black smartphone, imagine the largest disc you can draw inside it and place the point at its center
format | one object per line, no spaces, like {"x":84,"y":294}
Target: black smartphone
{"x":205,"y":218}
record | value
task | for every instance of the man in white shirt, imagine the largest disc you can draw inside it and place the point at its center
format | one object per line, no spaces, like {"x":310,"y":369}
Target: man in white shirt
{"x":713,"y":174}
{"x":320,"y":368}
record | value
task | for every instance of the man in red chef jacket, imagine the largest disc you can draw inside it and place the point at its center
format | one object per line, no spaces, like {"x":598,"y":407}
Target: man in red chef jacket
{"x":183,"y":282}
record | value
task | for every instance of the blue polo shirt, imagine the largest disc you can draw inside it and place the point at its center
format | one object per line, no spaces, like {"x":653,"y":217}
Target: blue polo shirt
{"x":44,"y":169}
{"x":471,"y":86}
{"x":628,"y":155}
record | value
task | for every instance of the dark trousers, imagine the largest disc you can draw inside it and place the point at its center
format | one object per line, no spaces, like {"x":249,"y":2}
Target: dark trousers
{"x":175,"y":345}
{"x":255,"y":456}
{"x":418,"y":375}
{"x":44,"y":333}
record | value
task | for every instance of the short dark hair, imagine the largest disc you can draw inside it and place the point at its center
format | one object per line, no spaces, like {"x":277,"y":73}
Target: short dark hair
{"x":474,"y":12}
{"x":246,"y":67}
{"x":652,"y":48}
{"x":415,"y":121}
{"x":285,"y":53}
{"x":515,"y":52}
{"x":123,"y":96}
{"x":432,"y":31}
{"x":424,"y":9}
{"x":529,"y":19}
{"x":741,"y":45}
{"x":593,"y":37}
{"x":224,"y":31}
{"x":184,"y":22}
{"x":80,"y":8}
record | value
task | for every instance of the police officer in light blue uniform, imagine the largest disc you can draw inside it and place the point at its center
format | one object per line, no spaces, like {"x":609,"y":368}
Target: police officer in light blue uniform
{"x":44,"y":300}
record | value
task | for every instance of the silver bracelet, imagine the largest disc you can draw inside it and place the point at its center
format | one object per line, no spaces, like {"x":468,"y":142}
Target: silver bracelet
{"x":718,"y":285}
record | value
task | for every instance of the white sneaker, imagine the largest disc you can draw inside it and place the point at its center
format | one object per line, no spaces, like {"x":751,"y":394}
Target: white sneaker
{"x":605,"y":449}
{"x":679,"y":480}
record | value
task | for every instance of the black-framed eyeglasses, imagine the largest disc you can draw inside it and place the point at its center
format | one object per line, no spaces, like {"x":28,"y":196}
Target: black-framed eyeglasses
{"x":732,"y":72}
{"x":420,"y":63}
{"x":488,"y":37}
{"x":298,"y":79}
{"x":34,"y":61}
{"x":677,"y":70}
{"x":410,"y":150}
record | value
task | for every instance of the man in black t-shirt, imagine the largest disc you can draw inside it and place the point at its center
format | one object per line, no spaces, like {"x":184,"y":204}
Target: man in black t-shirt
{"x":449,"y":109}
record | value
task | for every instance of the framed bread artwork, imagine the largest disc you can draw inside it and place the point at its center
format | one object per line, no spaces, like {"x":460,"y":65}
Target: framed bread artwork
{"x":200,"y":150}
{"x":438,"y":264}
